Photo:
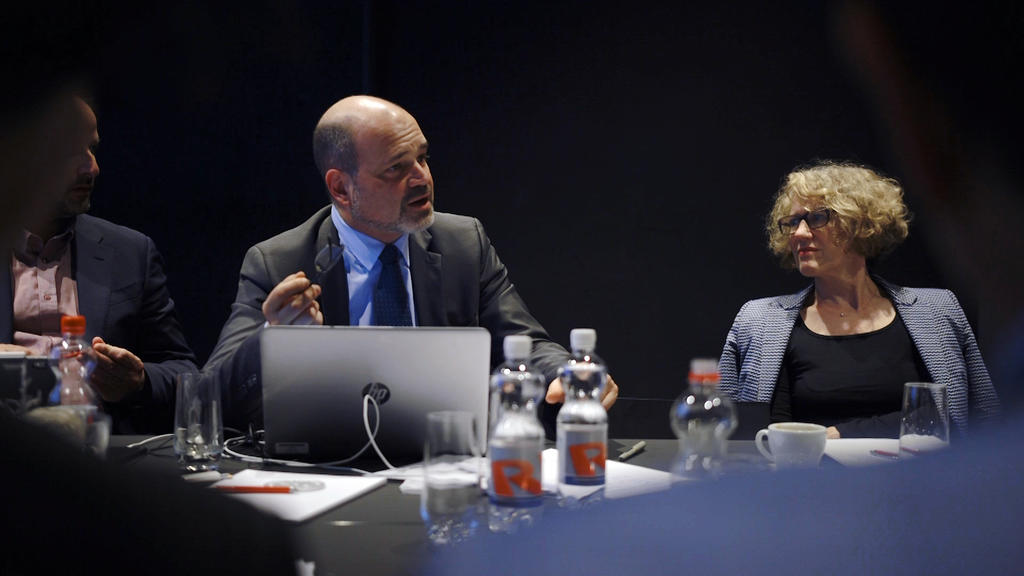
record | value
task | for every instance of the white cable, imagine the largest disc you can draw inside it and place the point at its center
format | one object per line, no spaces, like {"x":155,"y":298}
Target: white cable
{"x":260,"y":459}
{"x":359,"y":471}
{"x":293,"y":463}
{"x":370,"y":434}
{"x":367,"y":399}
{"x":163,"y":437}
{"x":148,"y":440}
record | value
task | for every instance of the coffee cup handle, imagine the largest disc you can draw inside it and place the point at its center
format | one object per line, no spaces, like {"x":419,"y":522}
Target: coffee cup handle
{"x":762,"y":433}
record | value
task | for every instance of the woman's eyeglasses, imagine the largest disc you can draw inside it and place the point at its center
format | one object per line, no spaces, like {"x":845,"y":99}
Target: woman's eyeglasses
{"x":815,"y":219}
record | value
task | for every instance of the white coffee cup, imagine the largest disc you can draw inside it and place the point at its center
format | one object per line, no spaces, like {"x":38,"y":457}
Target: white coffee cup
{"x":792,"y":444}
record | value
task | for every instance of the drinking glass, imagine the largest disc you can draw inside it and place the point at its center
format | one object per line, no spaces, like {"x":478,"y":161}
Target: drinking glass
{"x":924,"y":424}
{"x":452,"y":458}
{"x":198,"y":430}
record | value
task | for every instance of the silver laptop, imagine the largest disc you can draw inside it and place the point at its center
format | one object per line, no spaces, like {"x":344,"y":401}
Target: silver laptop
{"x":315,"y":377}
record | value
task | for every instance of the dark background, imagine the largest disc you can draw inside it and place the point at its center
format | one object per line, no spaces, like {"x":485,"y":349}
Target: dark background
{"x":622,"y":156}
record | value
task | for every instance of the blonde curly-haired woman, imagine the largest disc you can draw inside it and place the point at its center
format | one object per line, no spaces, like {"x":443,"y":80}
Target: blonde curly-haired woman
{"x":838,"y":352}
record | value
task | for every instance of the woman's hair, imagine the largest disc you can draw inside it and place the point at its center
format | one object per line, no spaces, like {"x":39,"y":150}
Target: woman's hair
{"x":868,"y":213}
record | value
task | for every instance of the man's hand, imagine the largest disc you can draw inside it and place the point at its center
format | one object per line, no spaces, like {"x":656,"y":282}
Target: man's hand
{"x":293,"y":301}
{"x":118,"y":372}
{"x":831,"y":433}
{"x":556,"y":393}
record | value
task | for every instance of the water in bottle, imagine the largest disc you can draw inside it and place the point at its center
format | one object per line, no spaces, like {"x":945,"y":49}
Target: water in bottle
{"x":73,"y":361}
{"x":702,"y":418}
{"x":582,"y":426}
{"x":516,"y":441}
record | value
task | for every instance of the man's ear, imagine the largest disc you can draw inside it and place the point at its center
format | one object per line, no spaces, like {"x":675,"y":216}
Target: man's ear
{"x":339,"y":185}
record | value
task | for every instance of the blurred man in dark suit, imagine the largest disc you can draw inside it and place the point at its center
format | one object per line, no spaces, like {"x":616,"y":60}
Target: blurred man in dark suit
{"x":65,"y":262}
{"x":65,"y":511}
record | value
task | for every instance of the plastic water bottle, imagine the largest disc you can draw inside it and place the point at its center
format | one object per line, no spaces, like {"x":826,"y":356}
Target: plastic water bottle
{"x":73,"y":361}
{"x":516,"y":441}
{"x":702,"y":418}
{"x":582,"y":427}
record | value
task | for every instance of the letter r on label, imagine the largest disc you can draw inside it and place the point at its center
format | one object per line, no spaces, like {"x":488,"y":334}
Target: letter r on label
{"x":587,"y":456}
{"x":510,"y":473}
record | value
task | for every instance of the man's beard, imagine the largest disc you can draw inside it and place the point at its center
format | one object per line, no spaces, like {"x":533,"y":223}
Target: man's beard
{"x":75,"y":201}
{"x":406,"y":222}
{"x":75,"y":206}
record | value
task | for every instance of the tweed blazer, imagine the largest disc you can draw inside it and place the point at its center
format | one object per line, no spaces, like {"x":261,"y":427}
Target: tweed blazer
{"x":754,"y":349}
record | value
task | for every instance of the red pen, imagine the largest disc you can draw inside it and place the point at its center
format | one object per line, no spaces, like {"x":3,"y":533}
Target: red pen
{"x":885,"y":454}
{"x":237,"y":489}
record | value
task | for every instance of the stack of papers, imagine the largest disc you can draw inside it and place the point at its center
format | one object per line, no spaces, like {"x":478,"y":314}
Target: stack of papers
{"x":621,"y":479}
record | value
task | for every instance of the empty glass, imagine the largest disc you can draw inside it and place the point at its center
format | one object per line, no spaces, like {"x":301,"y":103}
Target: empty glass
{"x":452,"y":458}
{"x":198,"y":431}
{"x":924,"y":424}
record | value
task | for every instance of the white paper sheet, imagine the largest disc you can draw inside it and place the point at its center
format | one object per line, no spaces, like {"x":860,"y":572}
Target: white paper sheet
{"x":854,"y":452}
{"x":299,"y":506}
{"x":622,"y":479}
{"x":412,"y":475}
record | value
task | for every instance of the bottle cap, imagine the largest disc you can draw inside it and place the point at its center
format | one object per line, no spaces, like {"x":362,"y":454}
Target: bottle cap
{"x":704,"y":370}
{"x":583,"y":338}
{"x":72,"y":324}
{"x":518,"y":346}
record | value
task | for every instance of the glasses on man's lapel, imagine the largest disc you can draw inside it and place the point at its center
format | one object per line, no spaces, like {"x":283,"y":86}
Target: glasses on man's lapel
{"x":326,"y":259}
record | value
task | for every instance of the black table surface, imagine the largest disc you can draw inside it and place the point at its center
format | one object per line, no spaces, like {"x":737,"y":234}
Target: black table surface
{"x":382,"y":532}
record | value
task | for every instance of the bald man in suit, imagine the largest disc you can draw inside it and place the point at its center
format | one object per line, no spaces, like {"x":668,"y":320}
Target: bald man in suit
{"x":372,"y":157}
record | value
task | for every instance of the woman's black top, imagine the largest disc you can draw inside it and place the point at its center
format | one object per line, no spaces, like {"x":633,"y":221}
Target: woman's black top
{"x":853,"y":382}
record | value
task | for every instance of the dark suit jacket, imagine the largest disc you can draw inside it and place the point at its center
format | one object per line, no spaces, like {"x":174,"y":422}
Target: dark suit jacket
{"x":122,"y":292}
{"x":457,"y":280}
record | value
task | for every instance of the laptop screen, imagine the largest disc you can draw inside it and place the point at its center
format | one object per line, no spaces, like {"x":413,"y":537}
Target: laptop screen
{"x":315,"y":377}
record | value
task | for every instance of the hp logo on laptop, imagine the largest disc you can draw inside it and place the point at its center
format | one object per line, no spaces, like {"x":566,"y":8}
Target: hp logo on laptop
{"x":377,"y":391}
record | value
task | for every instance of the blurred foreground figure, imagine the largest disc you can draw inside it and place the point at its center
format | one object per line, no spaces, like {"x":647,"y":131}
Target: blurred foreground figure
{"x":68,"y":513}
{"x":958,"y":511}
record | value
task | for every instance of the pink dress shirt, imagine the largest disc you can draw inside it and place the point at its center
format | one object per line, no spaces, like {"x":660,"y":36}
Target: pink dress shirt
{"x":44,"y":290}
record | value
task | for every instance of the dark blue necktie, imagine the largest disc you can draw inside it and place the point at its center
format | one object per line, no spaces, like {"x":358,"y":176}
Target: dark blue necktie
{"x":390,"y":300}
